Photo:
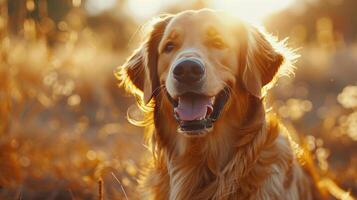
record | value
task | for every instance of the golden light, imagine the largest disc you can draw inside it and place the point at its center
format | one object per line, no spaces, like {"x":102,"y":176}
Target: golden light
{"x":30,"y":5}
{"x":95,"y":7}
{"x":253,"y":11}
{"x":250,"y":10}
{"x":145,"y":9}
{"x":76,"y":3}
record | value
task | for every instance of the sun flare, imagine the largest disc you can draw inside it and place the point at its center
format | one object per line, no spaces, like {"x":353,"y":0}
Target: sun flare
{"x":253,"y":11}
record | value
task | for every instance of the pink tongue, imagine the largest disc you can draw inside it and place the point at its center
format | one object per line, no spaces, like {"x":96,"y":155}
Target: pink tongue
{"x":192,"y":108}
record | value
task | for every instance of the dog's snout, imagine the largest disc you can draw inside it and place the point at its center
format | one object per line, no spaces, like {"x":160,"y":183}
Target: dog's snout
{"x":189,"y":71}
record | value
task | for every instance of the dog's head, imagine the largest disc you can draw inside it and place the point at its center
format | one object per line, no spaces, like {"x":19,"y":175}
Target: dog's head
{"x":198,"y":59}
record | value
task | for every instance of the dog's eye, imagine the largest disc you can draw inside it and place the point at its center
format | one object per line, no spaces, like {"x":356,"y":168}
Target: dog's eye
{"x":169,"y":47}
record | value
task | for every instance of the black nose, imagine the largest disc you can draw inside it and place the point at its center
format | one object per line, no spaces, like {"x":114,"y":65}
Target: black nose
{"x":189,"y":71}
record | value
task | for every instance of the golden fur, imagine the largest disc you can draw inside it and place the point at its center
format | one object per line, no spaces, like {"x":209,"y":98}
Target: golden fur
{"x":248,"y":154}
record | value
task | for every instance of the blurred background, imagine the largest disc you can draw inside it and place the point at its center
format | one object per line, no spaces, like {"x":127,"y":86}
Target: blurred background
{"x":63,"y":127}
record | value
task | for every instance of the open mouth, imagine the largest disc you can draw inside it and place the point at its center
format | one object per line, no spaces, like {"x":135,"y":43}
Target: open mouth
{"x":195,"y":113}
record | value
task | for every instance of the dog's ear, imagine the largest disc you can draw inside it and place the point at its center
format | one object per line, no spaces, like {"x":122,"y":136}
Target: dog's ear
{"x":139,"y":73}
{"x":262,"y":61}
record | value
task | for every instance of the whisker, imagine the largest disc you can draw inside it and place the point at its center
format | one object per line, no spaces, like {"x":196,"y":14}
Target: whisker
{"x":122,"y":188}
{"x":158,"y":89}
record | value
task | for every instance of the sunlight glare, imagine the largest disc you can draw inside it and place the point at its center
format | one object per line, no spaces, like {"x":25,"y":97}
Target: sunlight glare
{"x":250,"y":10}
{"x":95,"y":7}
{"x":145,"y":9}
{"x":253,"y":11}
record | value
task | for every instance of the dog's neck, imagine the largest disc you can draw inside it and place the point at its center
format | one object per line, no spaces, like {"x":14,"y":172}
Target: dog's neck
{"x":205,"y":162}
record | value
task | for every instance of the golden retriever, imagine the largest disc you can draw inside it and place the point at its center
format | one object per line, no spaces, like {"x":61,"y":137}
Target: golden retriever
{"x":200,"y":77}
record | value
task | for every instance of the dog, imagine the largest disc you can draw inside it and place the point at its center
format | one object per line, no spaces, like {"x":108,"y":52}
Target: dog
{"x":201,"y":76}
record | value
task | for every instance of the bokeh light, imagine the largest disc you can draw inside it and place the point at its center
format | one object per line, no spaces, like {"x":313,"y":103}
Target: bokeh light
{"x":95,"y":7}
